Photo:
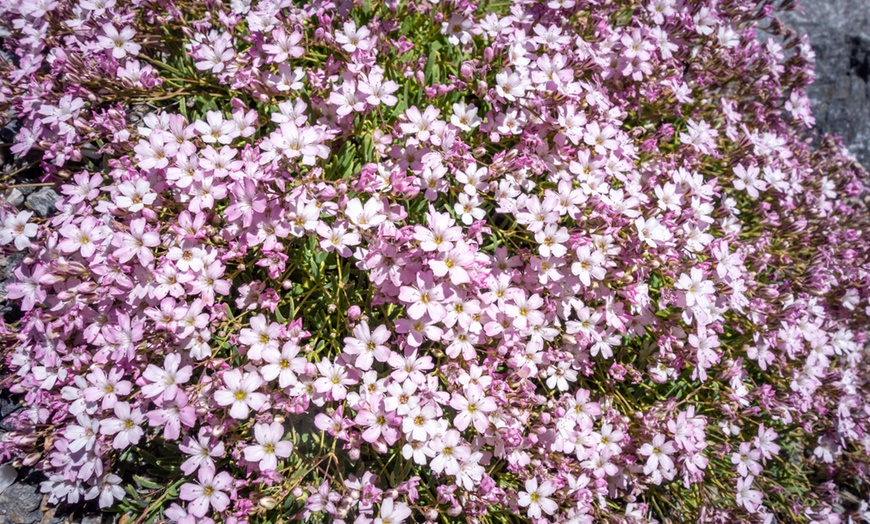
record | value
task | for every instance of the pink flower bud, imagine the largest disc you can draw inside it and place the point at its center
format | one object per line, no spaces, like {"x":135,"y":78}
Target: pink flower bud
{"x":354,"y":312}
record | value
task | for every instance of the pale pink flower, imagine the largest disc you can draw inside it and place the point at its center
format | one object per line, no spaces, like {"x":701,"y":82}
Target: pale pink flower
{"x":392,"y":512}
{"x":536,"y":498}
{"x":260,"y":337}
{"x":269,"y":447}
{"x":473,"y":408}
{"x":450,"y":450}
{"x":120,"y":42}
{"x":202,"y":452}
{"x":18,"y":230}
{"x":240,"y":392}
{"x":746,"y":496}
{"x":126,"y":426}
{"x":368,"y":346}
{"x":209,"y":491}
{"x":165,"y":381}
{"x":283,"y":364}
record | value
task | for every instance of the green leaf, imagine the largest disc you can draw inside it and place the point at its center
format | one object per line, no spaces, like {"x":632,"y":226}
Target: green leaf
{"x":145,"y":483}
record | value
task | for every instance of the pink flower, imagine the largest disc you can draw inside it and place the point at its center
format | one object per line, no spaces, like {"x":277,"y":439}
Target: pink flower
{"x":155,"y":152}
{"x":202,"y":452}
{"x":472,"y":408}
{"x":241,"y":393}
{"x":368,"y":346}
{"x":120,"y":42}
{"x":765,"y":442}
{"x":536,"y":498}
{"x":108,"y":489}
{"x":450,"y":450}
{"x":17,"y":230}
{"x":365,"y":217}
{"x":696,"y":289}
{"x":658,"y":454}
{"x":165,"y":381}
{"x":424,"y":298}
{"x":209,"y":491}
{"x":420,"y":124}
{"x":269,"y":447}
{"x":351,"y":38}
{"x":377,"y":90}
{"x":137,"y":243}
{"x":126,"y":426}
{"x":392,"y":512}
{"x":83,"y":237}
{"x":106,"y":387}
{"x":283,"y":365}
{"x":172,"y":414}
{"x":135,"y":196}
{"x":285,"y":45}
{"x":337,"y":238}
{"x":746,"y":460}
{"x":377,"y":423}
{"x":454,"y":264}
{"x":746,"y":496}
{"x":260,"y":337}
{"x":27,"y":286}
{"x":748,"y":179}
{"x":333,"y":380}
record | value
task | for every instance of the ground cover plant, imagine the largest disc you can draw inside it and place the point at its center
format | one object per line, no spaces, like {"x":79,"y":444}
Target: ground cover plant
{"x":442,"y":261}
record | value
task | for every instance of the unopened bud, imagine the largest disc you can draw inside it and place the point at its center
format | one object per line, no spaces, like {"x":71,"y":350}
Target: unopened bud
{"x":31,"y":459}
{"x":268,"y":502}
{"x":466,"y":70}
{"x":354,"y":312}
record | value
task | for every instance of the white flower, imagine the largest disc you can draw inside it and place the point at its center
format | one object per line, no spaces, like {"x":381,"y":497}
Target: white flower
{"x":536,"y":498}
{"x":16,"y":229}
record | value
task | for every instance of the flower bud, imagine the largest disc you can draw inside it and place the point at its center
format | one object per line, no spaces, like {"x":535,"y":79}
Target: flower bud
{"x":488,"y":55}
{"x":268,"y":502}
{"x":466,"y":70}
{"x":31,"y":459}
{"x":354,"y":312}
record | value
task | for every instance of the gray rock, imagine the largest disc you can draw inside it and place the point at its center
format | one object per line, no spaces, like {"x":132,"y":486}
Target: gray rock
{"x":19,"y":504}
{"x":15,"y":197}
{"x":42,"y":202}
{"x":7,"y":405}
{"x":8,"y":263}
{"x":839,"y":31}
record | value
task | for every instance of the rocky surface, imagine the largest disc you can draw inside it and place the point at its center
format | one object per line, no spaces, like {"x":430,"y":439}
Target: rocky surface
{"x":839,"y":31}
{"x":42,"y":202}
{"x":19,"y":504}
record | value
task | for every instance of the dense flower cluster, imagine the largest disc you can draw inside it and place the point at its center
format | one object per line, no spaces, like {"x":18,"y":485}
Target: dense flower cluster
{"x":383,"y":262}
